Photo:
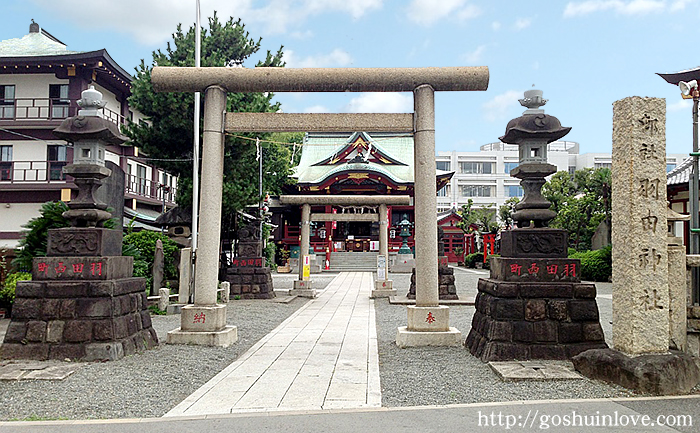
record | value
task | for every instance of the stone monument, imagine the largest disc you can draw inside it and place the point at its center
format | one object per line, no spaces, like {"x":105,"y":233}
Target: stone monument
{"x":642,"y":306}
{"x":248,"y":276}
{"x":534,"y":305}
{"x":83,"y":302}
{"x":404,"y":261}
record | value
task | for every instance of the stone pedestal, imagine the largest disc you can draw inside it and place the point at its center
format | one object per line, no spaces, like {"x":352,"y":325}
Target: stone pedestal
{"x":303,"y":288}
{"x":84,"y":308}
{"x":403,"y":264}
{"x":204,"y":325}
{"x":383,"y":289}
{"x":428,"y":326}
{"x":252,"y":281}
{"x":446,"y":284}
{"x":534,"y":309}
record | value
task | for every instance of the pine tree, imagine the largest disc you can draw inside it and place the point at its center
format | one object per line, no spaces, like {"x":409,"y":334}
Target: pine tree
{"x":167,"y":134}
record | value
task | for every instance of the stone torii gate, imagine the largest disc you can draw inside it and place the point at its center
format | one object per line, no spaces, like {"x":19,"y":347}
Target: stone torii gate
{"x":382,"y":288}
{"x":428,"y":323}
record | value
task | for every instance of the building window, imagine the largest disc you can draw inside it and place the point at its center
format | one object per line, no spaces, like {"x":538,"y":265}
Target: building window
{"x":478,"y":190}
{"x":572,"y":170}
{"x":56,"y":157}
{"x":602,"y":165}
{"x":7,"y":102}
{"x":514,"y":191}
{"x":5,"y":162}
{"x":141,"y":179}
{"x":670,"y":167}
{"x":508,"y":166}
{"x":444,"y":191}
{"x":476,"y":167}
{"x":58,"y":93}
{"x":442,"y":165}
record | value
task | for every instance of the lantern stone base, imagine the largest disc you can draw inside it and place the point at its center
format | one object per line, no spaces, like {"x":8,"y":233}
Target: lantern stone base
{"x":383,"y":289}
{"x":403,"y":264}
{"x":428,"y":326}
{"x":447,"y":290}
{"x":204,"y":326}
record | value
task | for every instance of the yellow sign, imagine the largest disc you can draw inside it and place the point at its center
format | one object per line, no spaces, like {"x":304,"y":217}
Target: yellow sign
{"x":306,"y":272}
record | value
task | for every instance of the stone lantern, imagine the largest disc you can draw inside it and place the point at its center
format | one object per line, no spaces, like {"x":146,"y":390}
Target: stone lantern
{"x":405,"y":233}
{"x":532,"y":132}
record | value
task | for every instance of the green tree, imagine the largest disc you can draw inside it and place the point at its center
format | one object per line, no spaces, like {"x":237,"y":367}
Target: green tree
{"x":505,"y":212}
{"x":582,"y":202}
{"x":167,"y":133}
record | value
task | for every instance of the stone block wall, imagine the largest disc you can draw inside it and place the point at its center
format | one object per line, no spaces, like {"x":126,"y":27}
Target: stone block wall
{"x":249,"y":283}
{"x":446,"y":284}
{"x":79,"y":320}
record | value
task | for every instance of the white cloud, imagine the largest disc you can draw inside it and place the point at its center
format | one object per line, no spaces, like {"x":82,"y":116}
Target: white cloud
{"x":427,"y":12}
{"x":498,"y":107}
{"x":317,"y":109}
{"x":335,"y":58}
{"x":380,"y":103}
{"x":496,"y":26}
{"x":522,"y":23}
{"x":683,"y":104}
{"x":634,"y":7}
{"x":153,"y":22}
{"x":679,"y":5}
{"x":475,"y":56}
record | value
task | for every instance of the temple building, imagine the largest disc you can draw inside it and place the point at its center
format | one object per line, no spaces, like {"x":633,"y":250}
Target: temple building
{"x":359,"y":163}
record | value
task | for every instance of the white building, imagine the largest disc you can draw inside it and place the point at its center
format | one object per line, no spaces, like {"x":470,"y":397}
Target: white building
{"x":484,"y":176}
{"x":40,"y":82}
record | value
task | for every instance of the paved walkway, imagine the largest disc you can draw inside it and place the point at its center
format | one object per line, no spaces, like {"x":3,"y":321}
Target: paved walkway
{"x":324,"y":356}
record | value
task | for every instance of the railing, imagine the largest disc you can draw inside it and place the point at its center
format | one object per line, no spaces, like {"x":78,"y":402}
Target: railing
{"x":32,"y":171}
{"x":47,"y":109}
{"x":147,"y":188}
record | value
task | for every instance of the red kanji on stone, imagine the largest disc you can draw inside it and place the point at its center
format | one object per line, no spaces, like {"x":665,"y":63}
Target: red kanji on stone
{"x":61,"y":268}
{"x":552,"y":269}
{"x":251,"y":262}
{"x":570,"y":269}
{"x":78,"y":268}
{"x":430,"y":318}
{"x":515,"y":268}
{"x":199,"y":318}
{"x":42,"y":267}
{"x":96,"y":267}
{"x":258,"y":262}
{"x":235,"y":262}
{"x":533,"y":269}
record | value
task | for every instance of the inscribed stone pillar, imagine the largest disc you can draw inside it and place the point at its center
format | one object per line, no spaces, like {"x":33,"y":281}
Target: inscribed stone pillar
{"x":428,"y":322}
{"x":204,"y":323}
{"x":185,"y":275}
{"x":425,"y":198}
{"x":158,"y":268}
{"x":639,"y":241}
{"x":207,"y":275}
{"x":305,"y":237}
{"x":383,"y":288}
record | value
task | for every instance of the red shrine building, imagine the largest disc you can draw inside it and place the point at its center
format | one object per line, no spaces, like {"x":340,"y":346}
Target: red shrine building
{"x":358,"y":163}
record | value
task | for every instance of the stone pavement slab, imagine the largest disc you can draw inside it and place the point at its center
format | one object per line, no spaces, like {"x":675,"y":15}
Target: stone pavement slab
{"x":324,"y":356}
{"x":534,"y":370}
{"x":36,"y":370}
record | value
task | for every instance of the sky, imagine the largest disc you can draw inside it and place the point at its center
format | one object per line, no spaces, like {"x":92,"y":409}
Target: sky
{"x":583,"y":54}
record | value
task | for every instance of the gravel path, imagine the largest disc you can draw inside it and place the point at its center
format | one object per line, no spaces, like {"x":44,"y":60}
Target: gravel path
{"x":151,"y":383}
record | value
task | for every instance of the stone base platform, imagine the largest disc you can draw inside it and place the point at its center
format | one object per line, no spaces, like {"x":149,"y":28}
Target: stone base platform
{"x":446,"y":284}
{"x":221,"y":338}
{"x":86,"y":320}
{"x":249,"y":282}
{"x":204,"y":325}
{"x":428,"y":326}
{"x":659,"y":374}
{"x":534,"y":320}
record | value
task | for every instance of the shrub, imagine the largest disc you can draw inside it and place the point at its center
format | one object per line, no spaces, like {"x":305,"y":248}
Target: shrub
{"x":595,"y":265}
{"x":7,"y":292}
{"x":471,"y":259}
{"x":145,"y":243}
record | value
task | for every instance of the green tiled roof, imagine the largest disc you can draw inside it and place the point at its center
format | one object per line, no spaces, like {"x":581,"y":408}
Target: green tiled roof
{"x":33,"y":44}
{"x":320,"y":146}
